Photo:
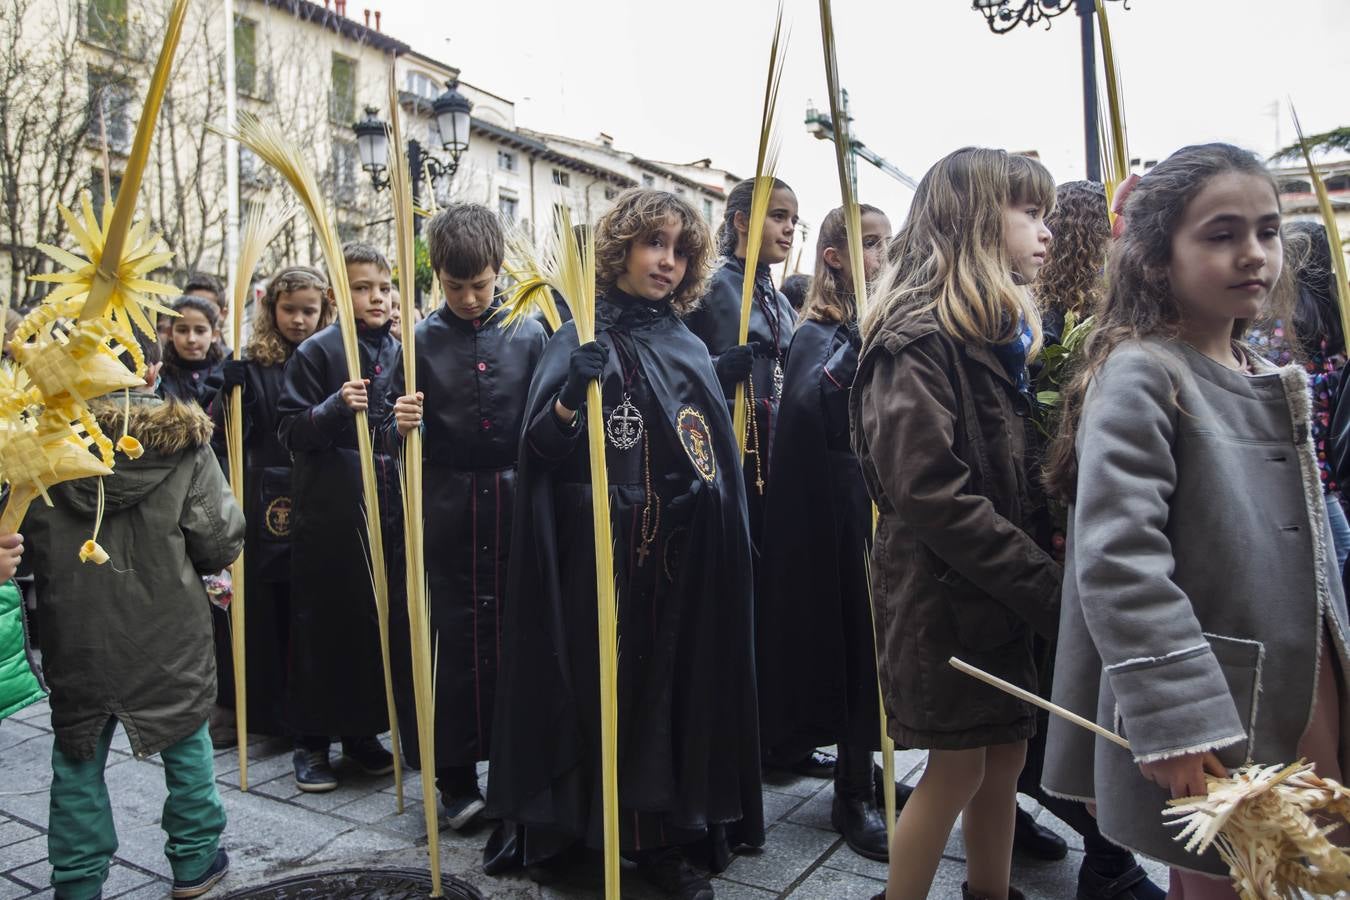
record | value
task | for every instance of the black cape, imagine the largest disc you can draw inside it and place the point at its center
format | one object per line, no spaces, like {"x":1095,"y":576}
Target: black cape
{"x":336,"y":678}
{"x":474,"y":376}
{"x":267,"y":552}
{"x":688,"y":736}
{"x":816,"y":652}
{"x":717,"y":323}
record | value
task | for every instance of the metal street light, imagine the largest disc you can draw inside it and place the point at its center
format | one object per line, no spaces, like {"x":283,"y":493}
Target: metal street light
{"x":1003,"y":16}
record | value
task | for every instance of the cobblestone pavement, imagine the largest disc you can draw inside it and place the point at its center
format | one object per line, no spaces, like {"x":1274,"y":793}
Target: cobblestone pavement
{"x":275,"y":831}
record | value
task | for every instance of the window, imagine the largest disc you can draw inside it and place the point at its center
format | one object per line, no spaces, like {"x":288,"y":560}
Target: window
{"x":106,"y":21}
{"x":1296,"y":187}
{"x":1338,"y":183}
{"x":506,"y":161}
{"x":611,"y":193}
{"x":96,"y":188}
{"x":346,"y":164}
{"x":707,"y":210}
{"x":508,"y":205}
{"x":246,"y":56}
{"x":561,"y":178}
{"x":649,"y":181}
{"x":423,"y":85}
{"x":110,"y":100}
{"x":342,"y":97}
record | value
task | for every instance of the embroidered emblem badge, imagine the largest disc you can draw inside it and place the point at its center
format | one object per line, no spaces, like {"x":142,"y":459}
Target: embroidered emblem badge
{"x":278,"y":517}
{"x":697,"y":442}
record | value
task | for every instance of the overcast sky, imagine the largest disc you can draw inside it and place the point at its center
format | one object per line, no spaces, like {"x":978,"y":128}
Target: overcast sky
{"x":684,"y":80}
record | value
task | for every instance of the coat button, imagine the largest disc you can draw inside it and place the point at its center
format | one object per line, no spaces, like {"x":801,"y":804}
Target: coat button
{"x":482,"y":367}
{"x":378,"y":369}
{"x":487,"y":423}
{"x":477,"y":323}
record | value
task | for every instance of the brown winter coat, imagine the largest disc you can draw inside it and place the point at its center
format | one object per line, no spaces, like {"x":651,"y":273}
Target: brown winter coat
{"x":943,"y":436}
{"x":132,"y":638}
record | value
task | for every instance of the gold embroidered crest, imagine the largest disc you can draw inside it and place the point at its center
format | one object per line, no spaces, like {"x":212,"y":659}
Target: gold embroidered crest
{"x":697,"y":442}
{"x":278,"y":517}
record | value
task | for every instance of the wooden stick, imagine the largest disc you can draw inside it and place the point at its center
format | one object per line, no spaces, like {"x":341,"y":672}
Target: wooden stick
{"x":1037,"y":701}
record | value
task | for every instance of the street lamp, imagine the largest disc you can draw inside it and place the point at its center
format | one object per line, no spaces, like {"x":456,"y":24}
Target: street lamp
{"x":1003,"y":16}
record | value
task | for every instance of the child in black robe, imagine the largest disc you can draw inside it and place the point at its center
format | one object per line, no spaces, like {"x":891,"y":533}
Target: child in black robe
{"x":336,"y":677}
{"x":297,"y":303}
{"x":473,"y":373}
{"x":688,"y":766}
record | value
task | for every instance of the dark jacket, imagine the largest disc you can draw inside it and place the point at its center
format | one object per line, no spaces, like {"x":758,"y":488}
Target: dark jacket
{"x":475,"y":375}
{"x":336,"y":677}
{"x":943,"y":435}
{"x":195,"y":382}
{"x":132,"y":638}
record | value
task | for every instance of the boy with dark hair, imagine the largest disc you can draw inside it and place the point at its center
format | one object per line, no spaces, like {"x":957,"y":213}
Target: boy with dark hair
{"x":336,"y":676}
{"x":130,"y":641}
{"x":474,"y":374}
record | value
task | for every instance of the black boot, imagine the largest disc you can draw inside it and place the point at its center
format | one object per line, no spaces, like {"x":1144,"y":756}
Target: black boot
{"x":1030,"y":838}
{"x":854,"y":813}
{"x":667,"y":871}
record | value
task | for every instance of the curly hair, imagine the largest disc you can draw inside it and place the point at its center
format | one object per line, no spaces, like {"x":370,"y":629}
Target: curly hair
{"x":1139,"y":301}
{"x":639,"y":213}
{"x":1071,"y":280}
{"x":266,"y":346}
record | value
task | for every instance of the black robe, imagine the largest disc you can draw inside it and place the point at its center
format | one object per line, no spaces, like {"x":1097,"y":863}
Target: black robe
{"x":191,"y":382}
{"x":267,"y":552}
{"x":688,"y":737}
{"x":336,"y":678}
{"x":474,"y":376}
{"x":814,"y":640}
{"x":717,"y":323}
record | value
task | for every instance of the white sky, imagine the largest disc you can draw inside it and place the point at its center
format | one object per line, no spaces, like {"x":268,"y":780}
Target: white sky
{"x":684,"y":80}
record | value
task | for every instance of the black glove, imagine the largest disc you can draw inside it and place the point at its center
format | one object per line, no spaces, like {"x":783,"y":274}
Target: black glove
{"x":232,"y":373}
{"x":586,"y":365}
{"x":854,"y":335}
{"x":734,"y":366}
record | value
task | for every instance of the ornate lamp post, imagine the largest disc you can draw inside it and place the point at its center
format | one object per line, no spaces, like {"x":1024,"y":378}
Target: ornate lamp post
{"x":1003,"y":16}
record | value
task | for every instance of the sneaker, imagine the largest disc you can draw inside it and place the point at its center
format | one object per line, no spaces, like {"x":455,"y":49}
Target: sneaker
{"x":816,"y":764}
{"x":196,"y":887}
{"x":313,"y":774}
{"x":369,"y":754}
{"x":667,"y":871}
{"x":458,"y":812}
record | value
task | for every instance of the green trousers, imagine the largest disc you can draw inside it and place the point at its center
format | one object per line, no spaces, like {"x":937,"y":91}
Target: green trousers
{"x":81,"y":839}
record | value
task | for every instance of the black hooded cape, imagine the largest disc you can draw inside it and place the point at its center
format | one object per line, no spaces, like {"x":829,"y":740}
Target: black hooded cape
{"x":814,"y":639}
{"x":688,"y":736}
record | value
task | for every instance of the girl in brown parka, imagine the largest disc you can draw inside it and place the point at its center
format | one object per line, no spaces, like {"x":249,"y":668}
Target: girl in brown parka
{"x":941,"y":424}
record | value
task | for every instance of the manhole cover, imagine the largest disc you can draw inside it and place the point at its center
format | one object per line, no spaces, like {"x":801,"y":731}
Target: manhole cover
{"x":358,"y":884}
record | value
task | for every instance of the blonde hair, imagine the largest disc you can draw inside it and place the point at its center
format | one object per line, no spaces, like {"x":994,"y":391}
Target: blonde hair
{"x":266,"y":346}
{"x":950,"y":256}
{"x":638,"y":213}
{"x":831,"y":297}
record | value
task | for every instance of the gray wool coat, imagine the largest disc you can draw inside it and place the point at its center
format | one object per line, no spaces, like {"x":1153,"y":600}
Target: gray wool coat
{"x":1198,"y":584}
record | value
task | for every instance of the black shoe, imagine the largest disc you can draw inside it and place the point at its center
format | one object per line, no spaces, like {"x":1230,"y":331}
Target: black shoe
{"x":667,"y":871}
{"x":1130,"y":885}
{"x":816,"y":764}
{"x":1035,"y":840}
{"x":369,"y":754}
{"x":862,"y":825}
{"x":203,"y":883}
{"x":902,"y":791}
{"x":313,"y":774}
{"x":1013,"y":893}
{"x":460,"y":811}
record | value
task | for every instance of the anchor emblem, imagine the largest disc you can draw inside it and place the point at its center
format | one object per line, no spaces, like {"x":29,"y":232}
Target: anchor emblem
{"x":624,"y":426}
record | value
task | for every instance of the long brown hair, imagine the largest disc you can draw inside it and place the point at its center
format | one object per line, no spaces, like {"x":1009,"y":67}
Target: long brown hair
{"x":1139,"y":302}
{"x":266,"y":346}
{"x":831,"y":297}
{"x":1072,"y":278}
{"x":950,"y":256}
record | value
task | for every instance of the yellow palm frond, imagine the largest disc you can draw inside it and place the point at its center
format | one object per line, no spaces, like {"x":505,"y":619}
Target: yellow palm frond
{"x":1333,"y":228}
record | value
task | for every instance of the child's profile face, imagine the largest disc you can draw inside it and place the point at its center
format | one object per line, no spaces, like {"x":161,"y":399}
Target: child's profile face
{"x":1226,"y":250}
{"x":468,"y":298}
{"x":1026,"y":237}
{"x":656,"y":263}
{"x":780,"y":226}
{"x":192,"y":335}
{"x":371,"y":287}
{"x":298,"y":312}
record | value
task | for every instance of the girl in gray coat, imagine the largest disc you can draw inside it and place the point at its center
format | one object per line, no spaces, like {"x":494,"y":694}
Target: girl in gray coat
{"x":1202,"y":615}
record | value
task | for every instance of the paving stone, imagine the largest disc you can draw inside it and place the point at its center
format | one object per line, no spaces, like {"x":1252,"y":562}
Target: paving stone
{"x":796,"y":785}
{"x":731,"y":890}
{"x":13,"y":832}
{"x":24,"y":853}
{"x":38,"y":874}
{"x":259,"y":770}
{"x":777,"y":806}
{"x":375,"y":806}
{"x":155,"y":890}
{"x":845,"y":860}
{"x":282,"y":788}
{"x":327,"y":802}
{"x":39,"y":713}
{"x":788,"y":851}
{"x":14,"y":732}
{"x":832,"y":884}
{"x":815,"y":811}
{"x":12,"y":890}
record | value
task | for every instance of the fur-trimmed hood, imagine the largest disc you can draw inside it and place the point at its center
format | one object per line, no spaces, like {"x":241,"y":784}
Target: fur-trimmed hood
{"x":165,"y":428}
